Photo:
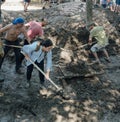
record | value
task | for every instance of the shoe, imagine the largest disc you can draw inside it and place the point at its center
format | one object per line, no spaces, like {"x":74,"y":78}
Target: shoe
{"x":43,"y":8}
{"x":25,"y":10}
{"x":19,"y":71}
{"x":108,"y":60}
{"x":102,"y":65}
{"x":43,"y":86}
{"x":27,"y":84}
{"x":96,"y":61}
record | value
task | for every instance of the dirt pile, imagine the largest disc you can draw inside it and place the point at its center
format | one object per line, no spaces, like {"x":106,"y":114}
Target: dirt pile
{"x":93,"y":91}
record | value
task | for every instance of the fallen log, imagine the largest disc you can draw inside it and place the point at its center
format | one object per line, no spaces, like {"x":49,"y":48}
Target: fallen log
{"x":80,"y":75}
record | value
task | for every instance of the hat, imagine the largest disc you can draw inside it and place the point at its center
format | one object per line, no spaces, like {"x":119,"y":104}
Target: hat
{"x":18,"y":20}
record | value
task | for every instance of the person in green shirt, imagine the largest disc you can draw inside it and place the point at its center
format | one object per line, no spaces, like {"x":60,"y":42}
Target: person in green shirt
{"x":99,"y":34}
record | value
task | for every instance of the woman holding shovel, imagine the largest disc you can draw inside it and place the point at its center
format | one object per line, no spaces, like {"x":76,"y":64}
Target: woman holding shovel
{"x":35,"y":55}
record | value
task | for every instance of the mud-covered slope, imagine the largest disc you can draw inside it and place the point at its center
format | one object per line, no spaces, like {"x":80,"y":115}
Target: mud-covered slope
{"x":94,"y":91}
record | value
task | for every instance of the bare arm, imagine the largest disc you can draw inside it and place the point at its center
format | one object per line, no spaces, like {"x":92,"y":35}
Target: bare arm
{"x":27,"y":25}
{"x":0,"y":25}
{"x":90,"y":40}
{"x":47,"y":74}
{"x":5,"y":28}
{"x":25,"y":34}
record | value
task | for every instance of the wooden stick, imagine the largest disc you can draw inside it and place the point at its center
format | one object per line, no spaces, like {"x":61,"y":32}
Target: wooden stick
{"x":79,"y":47}
{"x":82,"y":76}
{"x":41,"y":71}
{"x":82,"y":46}
{"x":12,"y":46}
{"x":61,"y":48}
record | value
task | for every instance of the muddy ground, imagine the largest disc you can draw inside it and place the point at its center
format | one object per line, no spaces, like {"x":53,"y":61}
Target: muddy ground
{"x":94,"y":91}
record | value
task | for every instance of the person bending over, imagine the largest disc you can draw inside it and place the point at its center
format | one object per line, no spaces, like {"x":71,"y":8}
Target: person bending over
{"x":11,"y":38}
{"x":99,"y":34}
{"x":36,"y":52}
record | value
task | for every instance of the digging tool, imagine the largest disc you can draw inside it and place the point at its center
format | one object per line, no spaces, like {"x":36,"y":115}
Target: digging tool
{"x":12,"y":46}
{"x":79,"y":47}
{"x":61,"y":48}
{"x":67,"y":50}
{"x":82,"y":46}
{"x":59,"y":90}
{"x":2,"y":50}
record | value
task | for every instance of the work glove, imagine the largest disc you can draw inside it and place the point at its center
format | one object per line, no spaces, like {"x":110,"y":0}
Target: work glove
{"x":1,"y":49}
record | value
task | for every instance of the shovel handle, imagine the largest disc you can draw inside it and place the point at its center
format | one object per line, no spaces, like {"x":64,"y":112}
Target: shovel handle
{"x":12,"y":46}
{"x":41,"y":71}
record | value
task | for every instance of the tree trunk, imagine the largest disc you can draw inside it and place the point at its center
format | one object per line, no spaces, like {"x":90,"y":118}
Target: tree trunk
{"x":89,"y":12}
{"x":0,"y":13}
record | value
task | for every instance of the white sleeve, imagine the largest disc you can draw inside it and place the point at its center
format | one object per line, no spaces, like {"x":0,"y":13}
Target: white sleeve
{"x":28,"y":49}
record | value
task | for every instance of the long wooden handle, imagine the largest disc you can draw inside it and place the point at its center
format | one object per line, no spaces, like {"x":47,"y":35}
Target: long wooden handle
{"x":12,"y":46}
{"x":41,"y":71}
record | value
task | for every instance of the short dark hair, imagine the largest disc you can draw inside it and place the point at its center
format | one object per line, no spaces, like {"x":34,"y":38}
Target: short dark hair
{"x":47,"y":43}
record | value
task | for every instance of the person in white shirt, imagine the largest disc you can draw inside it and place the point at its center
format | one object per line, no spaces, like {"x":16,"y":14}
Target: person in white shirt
{"x":36,"y":52}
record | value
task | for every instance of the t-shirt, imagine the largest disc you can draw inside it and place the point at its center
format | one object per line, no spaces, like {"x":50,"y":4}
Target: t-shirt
{"x":103,"y":2}
{"x":35,"y":29}
{"x":37,"y":55}
{"x":99,"y":34}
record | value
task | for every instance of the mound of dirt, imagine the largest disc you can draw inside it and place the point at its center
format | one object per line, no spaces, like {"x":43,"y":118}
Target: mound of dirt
{"x":93,"y":90}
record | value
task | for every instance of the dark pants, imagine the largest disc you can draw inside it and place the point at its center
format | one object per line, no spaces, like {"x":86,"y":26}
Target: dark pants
{"x":30,"y":69}
{"x":22,"y":56}
{"x":16,"y":51}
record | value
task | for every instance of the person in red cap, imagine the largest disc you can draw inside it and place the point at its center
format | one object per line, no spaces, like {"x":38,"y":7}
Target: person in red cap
{"x":11,"y":38}
{"x":35,"y":29}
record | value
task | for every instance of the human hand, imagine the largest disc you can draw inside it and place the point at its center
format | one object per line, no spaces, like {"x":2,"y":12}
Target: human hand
{"x":0,"y":25}
{"x":27,"y":57}
{"x":47,"y":76}
{"x":1,"y":49}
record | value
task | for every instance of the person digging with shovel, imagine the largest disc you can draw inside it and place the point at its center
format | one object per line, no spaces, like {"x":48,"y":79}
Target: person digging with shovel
{"x":35,"y":55}
{"x":99,"y":34}
{"x":36,"y":52}
{"x":11,"y":38}
{"x":35,"y":31}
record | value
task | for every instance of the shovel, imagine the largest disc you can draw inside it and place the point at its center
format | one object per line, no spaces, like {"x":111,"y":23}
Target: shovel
{"x":59,"y":90}
{"x":12,"y":46}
